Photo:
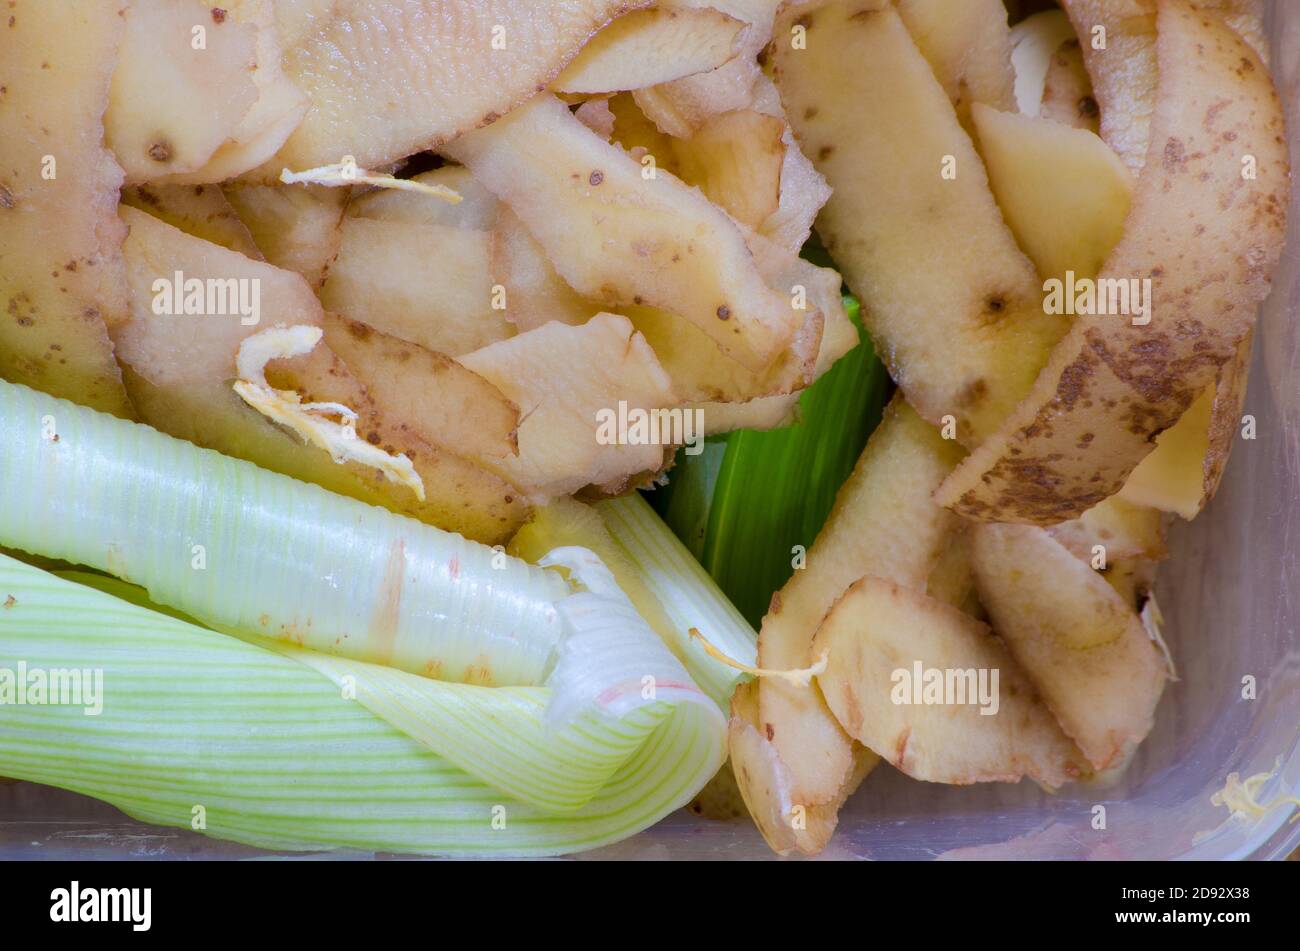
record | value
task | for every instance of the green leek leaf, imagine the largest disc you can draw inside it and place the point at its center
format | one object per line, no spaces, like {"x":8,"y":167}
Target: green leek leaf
{"x":744,"y":503}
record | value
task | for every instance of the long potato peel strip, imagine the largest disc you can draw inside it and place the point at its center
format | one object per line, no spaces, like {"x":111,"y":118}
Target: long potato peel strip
{"x":1206,"y":229}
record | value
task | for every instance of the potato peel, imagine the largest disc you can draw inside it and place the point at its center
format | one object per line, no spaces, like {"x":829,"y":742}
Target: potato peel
{"x":953,"y":305}
{"x":878,"y":628}
{"x":172,"y":105}
{"x":652,"y":46}
{"x":178,"y":371}
{"x":61,"y":271}
{"x":969,"y":47}
{"x":311,"y":421}
{"x":624,"y":234}
{"x":1085,"y":650}
{"x":441,"y":70}
{"x":683,"y":105}
{"x":765,"y":786}
{"x":277,"y":111}
{"x":1112,"y":386}
{"x":884,"y":522}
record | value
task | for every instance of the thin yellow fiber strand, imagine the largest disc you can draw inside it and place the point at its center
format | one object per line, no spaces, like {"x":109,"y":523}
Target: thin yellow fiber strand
{"x":1153,"y":620}
{"x":342,"y":174}
{"x":801,"y":677}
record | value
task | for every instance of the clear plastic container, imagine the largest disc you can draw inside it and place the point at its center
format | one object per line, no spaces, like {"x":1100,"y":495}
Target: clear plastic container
{"x":1231,"y":598}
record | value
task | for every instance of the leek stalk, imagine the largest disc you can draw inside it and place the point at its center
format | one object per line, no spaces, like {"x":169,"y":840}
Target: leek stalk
{"x":201,"y":730}
{"x":594,"y":730}
{"x":244,"y":549}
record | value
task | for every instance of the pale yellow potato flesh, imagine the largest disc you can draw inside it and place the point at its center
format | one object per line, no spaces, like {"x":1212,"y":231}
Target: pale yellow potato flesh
{"x":561,"y":377}
{"x":62,"y":281}
{"x":1171,"y":478}
{"x":1124,"y":69}
{"x":701,"y":373}
{"x":1207,"y":236}
{"x":954,"y":306}
{"x":952,"y":579}
{"x":634,"y":131}
{"x":171,"y":104}
{"x":1123,"y":72}
{"x":596,"y":115}
{"x":968,"y":45}
{"x":200,"y":210}
{"x":297,"y":20}
{"x":736,"y":159}
{"x":624,"y":238}
{"x":764,"y":783}
{"x":1183,"y":472}
{"x":1034,"y":40}
{"x":446,"y":405}
{"x":1067,"y":90}
{"x":1123,"y":529}
{"x":1063,"y":191}
{"x":476,"y":210}
{"x":1168,"y":478}
{"x":166,"y":348}
{"x":387,"y":78}
{"x":683,"y":105}
{"x":534,"y":293}
{"x":804,"y":191}
{"x":429,"y":284}
{"x":1083,"y":647}
{"x":762,"y":414}
{"x":296,"y":227}
{"x":649,"y":47}
{"x":180,"y":370}
{"x":279,"y":107}
{"x":885,"y":523}
{"x":810,"y":290}
{"x":879,"y":628}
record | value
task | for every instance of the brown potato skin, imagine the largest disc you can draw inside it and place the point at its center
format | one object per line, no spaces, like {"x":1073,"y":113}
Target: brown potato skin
{"x":62,"y":285}
{"x":1207,"y":237}
{"x":1077,"y":638}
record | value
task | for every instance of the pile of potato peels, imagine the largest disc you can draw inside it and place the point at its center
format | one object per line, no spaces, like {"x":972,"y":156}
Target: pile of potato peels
{"x":571,"y":269}
{"x":493,"y":220}
{"x":1068,"y":318}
